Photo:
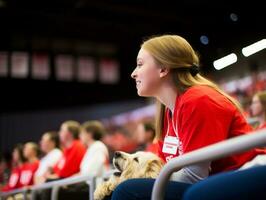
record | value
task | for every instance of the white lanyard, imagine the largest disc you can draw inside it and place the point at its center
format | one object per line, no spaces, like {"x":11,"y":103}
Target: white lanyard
{"x":171,"y":143}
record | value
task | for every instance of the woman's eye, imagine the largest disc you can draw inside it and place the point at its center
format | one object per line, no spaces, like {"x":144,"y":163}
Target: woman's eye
{"x":136,"y":159}
{"x":139,"y":65}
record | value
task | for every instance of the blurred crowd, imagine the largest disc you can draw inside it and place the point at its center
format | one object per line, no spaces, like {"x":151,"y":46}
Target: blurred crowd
{"x":75,"y":149}
{"x":87,"y":148}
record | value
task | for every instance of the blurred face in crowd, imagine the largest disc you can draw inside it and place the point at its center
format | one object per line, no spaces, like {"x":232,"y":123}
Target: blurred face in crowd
{"x":256,"y":107}
{"x":29,"y":151}
{"x":85,"y":137}
{"x":147,"y":74}
{"x":141,"y":135}
{"x":64,"y":134}
{"x":46,"y":143}
{"x":15,"y":156}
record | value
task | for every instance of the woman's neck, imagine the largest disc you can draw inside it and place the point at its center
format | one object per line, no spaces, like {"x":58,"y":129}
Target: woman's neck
{"x":32,"y":160}
{"x":167,"y":96}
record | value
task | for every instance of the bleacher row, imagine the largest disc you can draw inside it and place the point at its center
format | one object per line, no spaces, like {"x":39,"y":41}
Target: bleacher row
{"x":30,"y":193}
{"x":212,"y":152}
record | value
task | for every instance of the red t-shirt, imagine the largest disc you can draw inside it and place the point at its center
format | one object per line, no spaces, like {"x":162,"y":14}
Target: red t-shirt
{"x":153,"y":147}
{"x":202,"y":116}
{"x":13,"y":181}
{"x":27,"y":173}
{"x":70,"y":161}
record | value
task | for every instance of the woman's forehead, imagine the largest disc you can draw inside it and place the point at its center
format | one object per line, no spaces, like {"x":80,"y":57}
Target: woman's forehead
{"x":143,"y":54}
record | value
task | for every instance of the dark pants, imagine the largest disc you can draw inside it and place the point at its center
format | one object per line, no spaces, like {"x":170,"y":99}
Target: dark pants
{"x":141,"y":189}
{"x":249,"y":184}
{"x":78,"y":191}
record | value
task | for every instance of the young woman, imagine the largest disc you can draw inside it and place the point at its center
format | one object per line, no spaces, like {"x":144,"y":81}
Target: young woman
{"x":193,"y":113}
{"x":28,"y":169}
{"x":17,"y":162}
{"x":258,"y":109}
{"x":49,"y":145}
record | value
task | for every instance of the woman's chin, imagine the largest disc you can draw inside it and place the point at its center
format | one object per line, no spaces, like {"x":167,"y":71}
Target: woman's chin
{"x":142,"y":93}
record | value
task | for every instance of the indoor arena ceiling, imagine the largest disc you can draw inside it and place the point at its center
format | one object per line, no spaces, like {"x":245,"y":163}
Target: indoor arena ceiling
{"x":226,"y":26}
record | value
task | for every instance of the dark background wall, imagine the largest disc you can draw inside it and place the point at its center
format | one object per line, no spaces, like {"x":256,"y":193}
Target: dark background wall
{"x":82,"y":27}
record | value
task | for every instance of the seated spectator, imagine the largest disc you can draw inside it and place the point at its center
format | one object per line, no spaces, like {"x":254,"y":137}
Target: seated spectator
{"x":17,"y":161}
{"x":119,"y":139}
{"x":73,"y":152}
{"x":245,"y":185}
{"x":145,"y":137}
{"x":28,"y":169}
{"x":5,"y":166}
{"x":95,"y":161}
{"x":50,"y":147}
{"x":69,"y":163}
{"x":258,"y":109}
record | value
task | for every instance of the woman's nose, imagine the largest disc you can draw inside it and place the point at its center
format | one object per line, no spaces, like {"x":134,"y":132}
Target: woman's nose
{"x":133,"y":74}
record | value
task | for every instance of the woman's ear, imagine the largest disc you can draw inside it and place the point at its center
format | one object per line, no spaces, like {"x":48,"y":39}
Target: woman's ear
{"x":164,"y":71}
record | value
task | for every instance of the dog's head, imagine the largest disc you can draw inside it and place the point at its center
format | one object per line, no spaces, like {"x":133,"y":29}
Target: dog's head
{"x":138,"y":165}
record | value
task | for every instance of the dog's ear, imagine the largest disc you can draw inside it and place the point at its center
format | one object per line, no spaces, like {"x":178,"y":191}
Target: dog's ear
{"x":152,"y":168}
{"x":129,"y":172}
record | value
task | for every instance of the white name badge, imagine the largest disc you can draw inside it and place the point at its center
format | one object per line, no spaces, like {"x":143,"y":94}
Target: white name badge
{"x":170,"y":145}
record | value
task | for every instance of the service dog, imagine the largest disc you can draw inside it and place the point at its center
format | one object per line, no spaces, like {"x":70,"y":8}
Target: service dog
{"x":138,"y":165}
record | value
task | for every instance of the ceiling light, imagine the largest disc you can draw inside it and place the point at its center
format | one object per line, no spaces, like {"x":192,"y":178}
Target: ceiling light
{"x":233,"y":17}
{"x":204,"y":39}
{"x":225,"y":61}
{"x":254,"y":48}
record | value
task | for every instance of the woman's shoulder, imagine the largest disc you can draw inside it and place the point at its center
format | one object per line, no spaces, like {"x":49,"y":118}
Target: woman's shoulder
{"x":205,"y":95}
{"x":199,"y":92}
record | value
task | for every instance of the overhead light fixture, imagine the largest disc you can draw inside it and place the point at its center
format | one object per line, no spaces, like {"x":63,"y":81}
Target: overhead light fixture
{"x":254,"y":48}
{"x":225,"y":61}
{"x":233,"y":17}
{"x":2,"y":3}
{"x":204,"y":39}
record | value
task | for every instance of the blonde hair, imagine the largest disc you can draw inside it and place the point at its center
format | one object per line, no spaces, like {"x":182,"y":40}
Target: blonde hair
{"x":175,"y":52}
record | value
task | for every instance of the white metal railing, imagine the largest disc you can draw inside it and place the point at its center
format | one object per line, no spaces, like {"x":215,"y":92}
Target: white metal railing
{"x":55,"y":186}
{"x":208,"y":153}
{"x":4,"y":195}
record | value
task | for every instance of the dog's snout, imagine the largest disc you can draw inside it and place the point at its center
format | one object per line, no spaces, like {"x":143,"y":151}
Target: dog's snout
{"x":117,"y":154}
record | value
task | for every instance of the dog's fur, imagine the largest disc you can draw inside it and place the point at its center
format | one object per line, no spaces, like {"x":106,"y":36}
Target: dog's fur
{"x":138,"y":165}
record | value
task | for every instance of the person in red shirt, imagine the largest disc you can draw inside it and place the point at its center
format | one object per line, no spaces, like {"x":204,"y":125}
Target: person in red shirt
{"x":73,"y":152}
{"x":258,"y":109}
{"x":192,"y":113}
{"x":28,"y":169}
{"x":17,"y":161}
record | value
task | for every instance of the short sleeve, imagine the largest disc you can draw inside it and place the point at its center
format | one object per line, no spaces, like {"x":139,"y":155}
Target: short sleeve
{"x":201,"y":122}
